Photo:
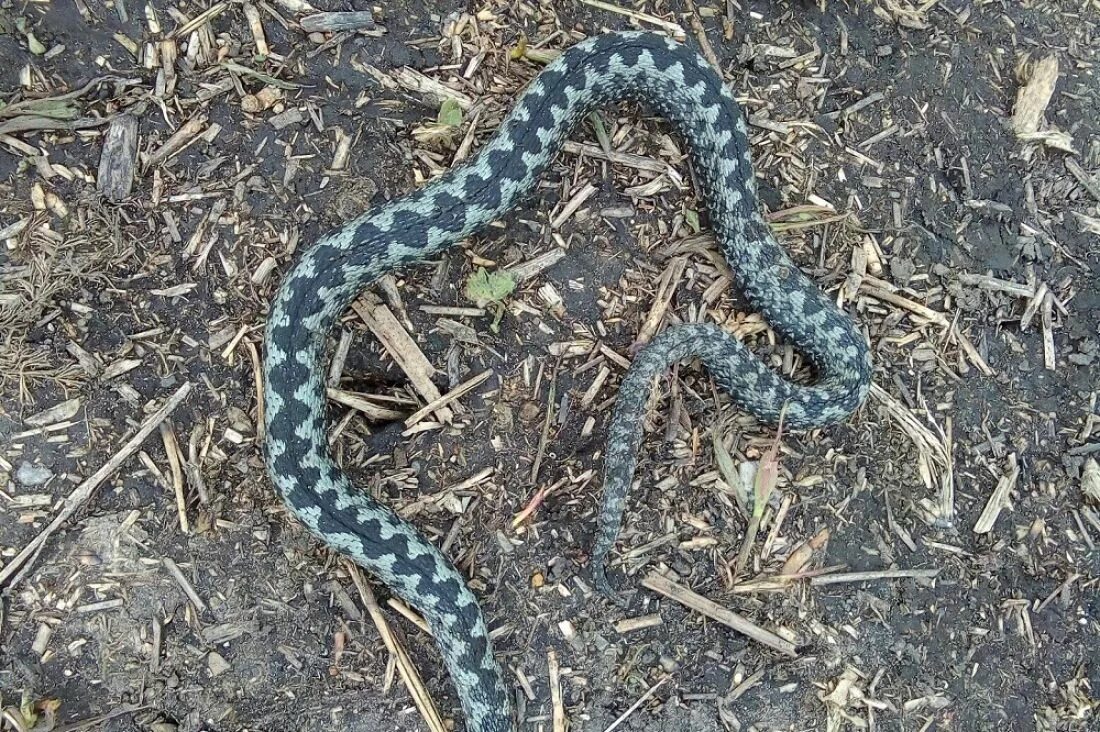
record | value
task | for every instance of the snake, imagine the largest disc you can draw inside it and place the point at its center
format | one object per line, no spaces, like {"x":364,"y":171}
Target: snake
{"x":678,"y":84}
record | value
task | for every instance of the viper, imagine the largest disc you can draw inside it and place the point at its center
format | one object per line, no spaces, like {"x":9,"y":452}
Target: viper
{"x":679,"y":85}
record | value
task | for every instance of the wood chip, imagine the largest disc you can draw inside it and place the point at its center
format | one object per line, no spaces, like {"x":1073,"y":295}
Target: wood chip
{"x":188,"y":132}
{"x":987,"y":282}
{"x":535,"y":266}
{"x":118,"y":160}
{"x":557,"y":703}
{"x":999,"y":500}
{"x":629,"y":625}
{"x":337,"y":21}
{"x":297,"y":6}
{"x":1090,"y":480}
{"x":256,"y":26}
{"x":414,"y":81}
{"x":1033,"y":98}
{"x":57,"y":413}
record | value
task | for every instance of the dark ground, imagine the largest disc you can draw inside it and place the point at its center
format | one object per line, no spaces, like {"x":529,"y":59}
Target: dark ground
{"x":110,"y":306}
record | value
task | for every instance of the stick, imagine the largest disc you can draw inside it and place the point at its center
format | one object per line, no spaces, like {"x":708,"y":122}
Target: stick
{"x":185,"y":585}
{"x":876,"y":288}
{"x":403,"y":350}
{"x":172,"y":449}
{"x":701,"y":36}
{"x":669,"y":281}
{"x":409,"y":614}
{"x":999,"y":499}
{"x":361,"y":404}
{"x":557,"y":706}
{"x":675,"y":29}
{"x":84,"y":491}
{"x":871,"y":576}
{"x":409,"y":675}
{"x":713,"y":610}
{"x":634,"y":707}
{"x":459,"y":391}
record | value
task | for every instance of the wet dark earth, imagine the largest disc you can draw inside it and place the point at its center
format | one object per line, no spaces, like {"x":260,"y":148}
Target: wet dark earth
{"x":887,"y":157}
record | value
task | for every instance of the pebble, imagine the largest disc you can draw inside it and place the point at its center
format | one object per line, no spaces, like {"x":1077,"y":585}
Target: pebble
{"x":32,"y":476}
{"x":216,"y":664}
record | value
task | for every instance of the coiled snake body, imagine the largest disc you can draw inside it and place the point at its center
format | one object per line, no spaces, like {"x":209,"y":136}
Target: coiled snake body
{"x":680,"y":85}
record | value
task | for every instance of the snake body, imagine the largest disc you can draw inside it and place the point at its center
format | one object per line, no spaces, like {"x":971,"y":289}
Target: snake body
{"x":681,"y":86}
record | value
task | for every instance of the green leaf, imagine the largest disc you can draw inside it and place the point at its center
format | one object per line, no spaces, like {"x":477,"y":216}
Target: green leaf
{"x":485,"y":287}
{"x":691,"y":216}
{"x":450,"y":113}
{"x":48,"y":107}
{"x":601,"y":130}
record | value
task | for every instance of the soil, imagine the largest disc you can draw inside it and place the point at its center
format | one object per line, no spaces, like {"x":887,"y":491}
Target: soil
{"x":885,"y":150}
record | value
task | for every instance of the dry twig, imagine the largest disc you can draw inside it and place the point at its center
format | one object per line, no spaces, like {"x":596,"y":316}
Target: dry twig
{"x":87,"y":488}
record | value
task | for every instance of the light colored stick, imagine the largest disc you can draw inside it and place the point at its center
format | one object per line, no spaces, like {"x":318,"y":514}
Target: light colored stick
{"x":1046,"y":319}
{"x":403,"y":349}
{"x":634,"y":707}
{"x":525,"y":270}
{"x":627,"y":625}
{"x":573,"y":205}
{"x":255,"y":24}
{"x":258,"y":380}
{"x":362,"y":404}
{"x":713,"y":610}
{"x":638,"y":162}
{"x":675,"y":29}
{"x":880,"y":290}
{"x":670,"y":280}
{"x":999,"y":499}
{"x":1033,"y":98}
{"x":84,"y":491}
{"x":417,"y":82}
{"x":172,"y":449}
{"x":987,"y":282}
{"x":409,"y":614}
{"x":455,"y":393}
{"x":187,"y":133}
{"x":871,"y":576}
{"x":557,"y":705}
{"x":423,"y":701}
{"x":185,"y":585}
